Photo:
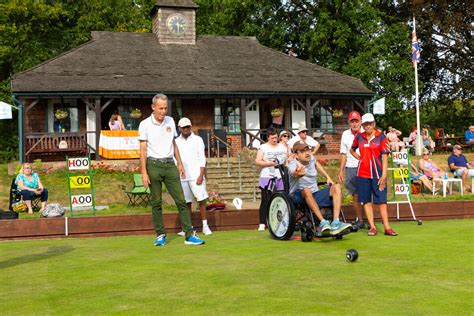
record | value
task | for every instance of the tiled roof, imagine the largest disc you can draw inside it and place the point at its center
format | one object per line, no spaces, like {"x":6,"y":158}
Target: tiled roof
{"x":136,"y":62}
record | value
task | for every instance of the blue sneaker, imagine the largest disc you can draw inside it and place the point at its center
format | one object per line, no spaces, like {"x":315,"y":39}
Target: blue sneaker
{"x":160,"y":240}
{"x":193,"y":240}
{"x":337,"y":227}
{"x":324,"y":227}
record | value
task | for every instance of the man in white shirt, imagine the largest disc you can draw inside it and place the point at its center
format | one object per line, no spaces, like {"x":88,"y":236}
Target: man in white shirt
{"x":157,"y":149}
{"x":303,"y":135}
{"x":191,"y":148}
{"x":349,"y":164}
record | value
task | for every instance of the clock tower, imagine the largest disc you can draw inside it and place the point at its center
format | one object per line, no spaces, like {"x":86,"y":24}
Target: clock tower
{"x":174,"y":21}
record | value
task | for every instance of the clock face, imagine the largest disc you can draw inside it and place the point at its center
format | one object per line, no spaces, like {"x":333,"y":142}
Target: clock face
{"x":176,"y":24}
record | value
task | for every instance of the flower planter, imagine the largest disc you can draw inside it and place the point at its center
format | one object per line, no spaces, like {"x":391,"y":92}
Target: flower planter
{"x":61,"y":116}
{"x":135,"y":115}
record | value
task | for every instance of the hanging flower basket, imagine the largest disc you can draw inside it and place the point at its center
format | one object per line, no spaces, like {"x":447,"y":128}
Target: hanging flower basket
{"x":276,"y":112}
{"x":136,"y":114}
{"x":337,"y":113}
{"x":61,"y":114}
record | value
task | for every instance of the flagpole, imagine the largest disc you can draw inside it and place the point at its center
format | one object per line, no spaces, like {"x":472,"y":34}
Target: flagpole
{"x":419,"y":144}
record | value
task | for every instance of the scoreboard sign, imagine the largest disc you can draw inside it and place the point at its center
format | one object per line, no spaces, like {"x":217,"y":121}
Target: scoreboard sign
{"x":79,"y":182}
{"x":401,"y":173}
{"x":81,"y":200}
{"x":78,"y":163}
{"x":400,"y":157}
{"x":402,"y":189}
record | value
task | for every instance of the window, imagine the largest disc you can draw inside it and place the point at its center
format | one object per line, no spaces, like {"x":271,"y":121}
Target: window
{"x":321,"y":117}
{"x":176,"y":109}
{"x":64,"y":124}
{"x":227,"y":115}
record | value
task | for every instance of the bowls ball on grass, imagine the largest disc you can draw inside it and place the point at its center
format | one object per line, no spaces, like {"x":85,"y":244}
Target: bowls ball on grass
{"x":352,"y":255}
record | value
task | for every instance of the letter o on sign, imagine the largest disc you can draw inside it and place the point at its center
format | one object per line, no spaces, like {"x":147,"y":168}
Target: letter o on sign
{"x":78,"y":163}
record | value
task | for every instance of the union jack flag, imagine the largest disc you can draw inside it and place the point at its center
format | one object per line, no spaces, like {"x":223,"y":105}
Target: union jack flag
{"x":415,"y":49}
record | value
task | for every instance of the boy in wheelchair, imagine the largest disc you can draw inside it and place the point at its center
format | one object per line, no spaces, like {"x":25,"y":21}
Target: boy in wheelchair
{"x":303,"y":173}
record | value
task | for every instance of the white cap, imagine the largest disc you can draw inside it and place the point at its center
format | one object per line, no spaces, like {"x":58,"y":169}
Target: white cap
{"x":302,"y":129}
{"x":184,"y":122}
{"x":367,"y":117}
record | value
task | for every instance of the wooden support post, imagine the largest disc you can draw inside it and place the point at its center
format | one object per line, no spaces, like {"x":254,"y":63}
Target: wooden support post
{"x":243,"y":119}
{"x":98,"y":126}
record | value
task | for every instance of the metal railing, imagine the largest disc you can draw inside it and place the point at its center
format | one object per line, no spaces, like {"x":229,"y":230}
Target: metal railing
{"x":227,"y":146}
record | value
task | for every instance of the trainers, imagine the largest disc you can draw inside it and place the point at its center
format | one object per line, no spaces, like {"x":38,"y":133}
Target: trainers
{"x":390,"y":232}
{"x":361,"y":224}
{"x":337,"y":227}
{"x":206,"y":230}
{"x":372,"y":231}
{"x":261,"y":227}
{"x":182,"y":233}
{"x":193,"y":240}
{"x":324,"y":227}
{"x":160,"y":240}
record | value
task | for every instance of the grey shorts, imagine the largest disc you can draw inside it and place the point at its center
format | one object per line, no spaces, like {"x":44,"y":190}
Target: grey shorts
{"x":351,"y":175}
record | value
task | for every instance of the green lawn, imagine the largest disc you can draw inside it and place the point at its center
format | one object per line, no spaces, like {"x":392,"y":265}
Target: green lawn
{"x":427,"y":270}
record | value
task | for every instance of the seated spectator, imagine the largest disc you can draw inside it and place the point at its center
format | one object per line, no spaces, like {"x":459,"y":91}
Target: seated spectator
{"x":427,"y":140}
{"x":393,"y":140}
{"x":30,"y":186}
{"x":412,"y":136}
{"x":429,"y":167}
{"x":469,"y":136}
{"x":415,"y":174}
{"x":115,"y":122}
{"x":459,"y":165}
{"x":304,"y":187}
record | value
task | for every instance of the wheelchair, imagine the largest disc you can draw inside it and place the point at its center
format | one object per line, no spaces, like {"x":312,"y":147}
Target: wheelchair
{"x":285,"y":217}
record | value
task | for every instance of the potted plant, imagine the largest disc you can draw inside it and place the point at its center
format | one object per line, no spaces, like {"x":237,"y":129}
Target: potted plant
{"x":61,"y":114}
{"x":276,"y":112}
{"x":136,"y":113}
{"x":215,"y":202}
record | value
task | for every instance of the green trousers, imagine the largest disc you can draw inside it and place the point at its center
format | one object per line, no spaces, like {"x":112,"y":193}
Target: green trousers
{"x":168,"y":174}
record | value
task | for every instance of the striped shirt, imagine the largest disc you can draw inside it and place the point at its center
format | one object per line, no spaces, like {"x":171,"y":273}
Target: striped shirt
{"x":371,"y":151}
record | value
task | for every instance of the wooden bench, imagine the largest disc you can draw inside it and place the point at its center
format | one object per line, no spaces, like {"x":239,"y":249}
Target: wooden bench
{"x":50,"y":146}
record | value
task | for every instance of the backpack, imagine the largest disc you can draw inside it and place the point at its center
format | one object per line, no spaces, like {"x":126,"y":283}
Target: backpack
{"x":53,"y":210}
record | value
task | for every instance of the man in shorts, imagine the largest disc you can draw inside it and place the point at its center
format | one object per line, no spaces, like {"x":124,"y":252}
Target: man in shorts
{"x":349,"y":164}
{"x":372,"y":172}
{"x":459,"y":165}
{"x":191,"y":148}
{"x":304,"y":188}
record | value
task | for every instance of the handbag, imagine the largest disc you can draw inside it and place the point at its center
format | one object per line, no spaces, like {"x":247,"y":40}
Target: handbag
{"x":19,"y":206}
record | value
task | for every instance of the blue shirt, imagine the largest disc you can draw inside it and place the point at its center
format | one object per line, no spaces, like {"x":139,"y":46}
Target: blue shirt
{"x":459,"y":161}
{"x":468,"y":135}
{"x":29,"y":183}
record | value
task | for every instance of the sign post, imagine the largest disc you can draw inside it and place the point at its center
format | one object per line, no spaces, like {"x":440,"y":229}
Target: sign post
{"x":82,"y":181}
{"x":401,"y":182}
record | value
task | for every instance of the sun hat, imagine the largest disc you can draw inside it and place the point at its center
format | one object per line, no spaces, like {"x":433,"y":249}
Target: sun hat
{"x":184,"y":122}
{"x":367,"y":117}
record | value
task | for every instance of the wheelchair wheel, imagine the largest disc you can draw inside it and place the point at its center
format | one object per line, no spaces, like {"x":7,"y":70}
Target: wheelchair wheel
{"x":306,"y":235}
{"x":281,"y":216}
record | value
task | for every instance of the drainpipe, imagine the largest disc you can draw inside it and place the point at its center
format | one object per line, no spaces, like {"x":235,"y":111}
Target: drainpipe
{"x":20,"y":128}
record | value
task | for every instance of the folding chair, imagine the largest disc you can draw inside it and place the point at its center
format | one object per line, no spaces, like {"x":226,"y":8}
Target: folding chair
{"x":15,"y":196}
{"x":138,"y":194}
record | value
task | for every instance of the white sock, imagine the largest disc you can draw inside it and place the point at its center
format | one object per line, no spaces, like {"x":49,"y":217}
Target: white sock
{"x":204,"y":222}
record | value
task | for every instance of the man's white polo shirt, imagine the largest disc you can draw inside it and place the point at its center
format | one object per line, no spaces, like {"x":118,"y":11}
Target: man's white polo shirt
{"x":347,"y":139}
{"x":192,"y":155}
{"x":159,"y":137}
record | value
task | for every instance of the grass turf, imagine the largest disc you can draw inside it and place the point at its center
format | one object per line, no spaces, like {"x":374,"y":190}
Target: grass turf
{"x":428,"y":270}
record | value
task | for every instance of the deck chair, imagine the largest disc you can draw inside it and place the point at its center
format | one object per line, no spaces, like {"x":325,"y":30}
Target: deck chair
{"x":138,"y":194}
{"x":15,"y":196}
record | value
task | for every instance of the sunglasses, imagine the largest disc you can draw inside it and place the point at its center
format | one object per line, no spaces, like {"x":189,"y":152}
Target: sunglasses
{"x":306,"y":132}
